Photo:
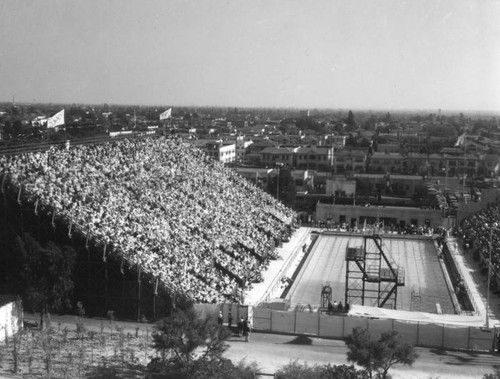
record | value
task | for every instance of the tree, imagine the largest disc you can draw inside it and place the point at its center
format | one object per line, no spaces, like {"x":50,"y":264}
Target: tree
{"x":192,"y":346}
{"x":351,"y":124}
{"x":295,"y":370}
{"x":284,"y":187}
{"x":380,"y":354}
{"x":223,"y":368}
{"x":351,"y":140}
{"x":45,"y":273}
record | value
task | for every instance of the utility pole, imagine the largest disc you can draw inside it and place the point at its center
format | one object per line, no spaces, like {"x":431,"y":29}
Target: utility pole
{"x":493,"y":226}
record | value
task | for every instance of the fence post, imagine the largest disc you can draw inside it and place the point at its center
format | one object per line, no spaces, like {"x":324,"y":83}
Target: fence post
{"x":343,"y":326}
{"x":319,"y":322}
{"x":295,"y":322}
{"x":271,"y":321}
{"x":468,"y":338}
{"x":418,"y":333}
{"x":442,"y":342}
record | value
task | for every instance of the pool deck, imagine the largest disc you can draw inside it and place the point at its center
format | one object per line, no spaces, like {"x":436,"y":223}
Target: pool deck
{"x":323,"y":266}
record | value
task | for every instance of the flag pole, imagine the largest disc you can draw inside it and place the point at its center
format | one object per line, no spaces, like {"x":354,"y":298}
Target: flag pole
{"x":465,"y":163}
{"x":445,"y":175}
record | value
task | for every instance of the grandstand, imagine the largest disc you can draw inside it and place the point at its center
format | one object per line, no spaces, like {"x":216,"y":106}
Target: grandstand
{"x":154,"y":211}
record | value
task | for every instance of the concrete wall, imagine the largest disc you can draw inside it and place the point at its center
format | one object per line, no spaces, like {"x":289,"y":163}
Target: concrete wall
{"x":11,"y":319}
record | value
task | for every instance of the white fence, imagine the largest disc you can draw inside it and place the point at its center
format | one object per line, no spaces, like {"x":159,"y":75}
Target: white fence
{"x":339,"y":326}
{"x":433,"y":335}
{"x":11,"y":319}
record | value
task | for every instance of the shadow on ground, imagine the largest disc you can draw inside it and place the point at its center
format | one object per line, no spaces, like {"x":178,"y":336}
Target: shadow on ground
{"x":300,"y":340}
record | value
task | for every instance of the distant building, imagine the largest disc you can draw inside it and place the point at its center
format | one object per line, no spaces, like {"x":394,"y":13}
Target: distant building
{"x":39,"y":121}
{"x":461,"y":164}
{"x":258,"y":176}
{"x":271,"y":156}
{"x":341,"y":187}
{"x":392,"y":217}
{"x":489,"y":164}
{"x":241,"y":147}
{"x":349,"y":160}
{"x":337,"y":141}
{"x":391,"y":184}
{"x":258,"y":146}
{"x":444,"y":131}
{"x":315,"y":158}
{"x":388,"y":147}
{"x":303,"y":180}
{"x":224,"y":152}
{"x":382,"y":162}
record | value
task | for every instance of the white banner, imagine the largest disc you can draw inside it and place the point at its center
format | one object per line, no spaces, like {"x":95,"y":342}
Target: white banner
{"x":56,"y":120}
{"x":167,"y":114}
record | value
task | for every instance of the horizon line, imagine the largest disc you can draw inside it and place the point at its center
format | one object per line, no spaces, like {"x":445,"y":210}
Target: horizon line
{"x":300,"y":108}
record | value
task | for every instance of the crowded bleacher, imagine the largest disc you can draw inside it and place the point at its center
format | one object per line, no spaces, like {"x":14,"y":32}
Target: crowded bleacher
{"x":476,"y":231}
{"x":160,"y":204}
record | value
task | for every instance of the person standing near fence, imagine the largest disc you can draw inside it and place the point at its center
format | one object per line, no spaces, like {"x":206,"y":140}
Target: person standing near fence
{"x":340,"y":307}
{"x":247,"y":329}
{"x":497,"y":341}
{"x":240,"y":326}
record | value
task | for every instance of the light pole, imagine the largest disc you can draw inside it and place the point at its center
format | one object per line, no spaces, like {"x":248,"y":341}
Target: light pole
{"x":278,"y":185}
{"x":492,"y":227}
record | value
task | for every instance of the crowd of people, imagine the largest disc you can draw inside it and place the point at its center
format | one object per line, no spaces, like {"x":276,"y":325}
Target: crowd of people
{"x":162,"y":204}
{"x":379,"y":227}
{"x":476,"y":231}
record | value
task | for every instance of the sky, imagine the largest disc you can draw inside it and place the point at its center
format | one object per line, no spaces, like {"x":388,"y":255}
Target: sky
{"x":371,"y":54}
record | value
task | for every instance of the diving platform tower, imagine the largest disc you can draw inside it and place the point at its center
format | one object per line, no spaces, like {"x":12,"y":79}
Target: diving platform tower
{"x":372,"y":276}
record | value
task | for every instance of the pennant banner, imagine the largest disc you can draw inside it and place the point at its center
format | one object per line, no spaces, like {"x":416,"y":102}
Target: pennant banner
{"x":460,"y":140}
{"x":56,"y":120}
{"x":166,"y":115}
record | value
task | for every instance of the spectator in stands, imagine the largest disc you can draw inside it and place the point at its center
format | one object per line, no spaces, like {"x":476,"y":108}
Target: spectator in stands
{"x":475,"y":230}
